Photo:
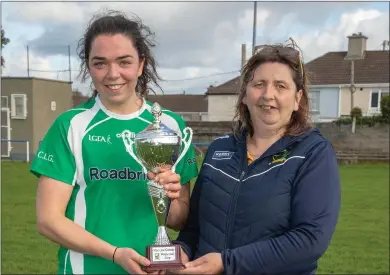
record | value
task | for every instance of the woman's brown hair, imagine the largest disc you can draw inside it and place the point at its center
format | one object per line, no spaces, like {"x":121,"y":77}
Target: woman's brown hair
{"x":285,"y":54}
{"x":114,"y":22}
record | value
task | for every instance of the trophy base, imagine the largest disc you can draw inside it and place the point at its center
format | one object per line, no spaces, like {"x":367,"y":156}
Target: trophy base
{"x":163,"y":257}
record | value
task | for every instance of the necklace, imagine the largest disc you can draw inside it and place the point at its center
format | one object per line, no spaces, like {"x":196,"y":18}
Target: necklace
{"x":254,"y":156}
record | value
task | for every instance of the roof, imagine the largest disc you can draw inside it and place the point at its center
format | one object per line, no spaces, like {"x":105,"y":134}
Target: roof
{"x":228,"y":88}
{"x":36,"y":78}
{"x":181,"y":102}
{"x":332,"y":69}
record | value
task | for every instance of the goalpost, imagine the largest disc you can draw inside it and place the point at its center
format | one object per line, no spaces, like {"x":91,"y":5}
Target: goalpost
{"x":8,"y":148}
{"x":8,"y":151}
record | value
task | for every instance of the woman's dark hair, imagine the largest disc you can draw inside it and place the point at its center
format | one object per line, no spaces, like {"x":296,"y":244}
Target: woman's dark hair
{"x":114,"y":22}
{"x":290,"y":56}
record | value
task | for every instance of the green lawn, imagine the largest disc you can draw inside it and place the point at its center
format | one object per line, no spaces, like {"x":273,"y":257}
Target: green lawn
{"x":360,"y":244}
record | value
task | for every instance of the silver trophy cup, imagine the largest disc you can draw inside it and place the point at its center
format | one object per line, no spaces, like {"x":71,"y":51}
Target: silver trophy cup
{"x":159,"y":147}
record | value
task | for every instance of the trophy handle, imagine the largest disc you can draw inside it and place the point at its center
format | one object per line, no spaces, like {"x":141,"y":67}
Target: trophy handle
{"x":187,"y":134}
{"x":126,"y":136}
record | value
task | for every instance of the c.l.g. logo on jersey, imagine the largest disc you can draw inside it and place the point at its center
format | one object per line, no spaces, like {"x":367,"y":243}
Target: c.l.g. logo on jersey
{"x":218,"y":155}
{"x":45,"y":156}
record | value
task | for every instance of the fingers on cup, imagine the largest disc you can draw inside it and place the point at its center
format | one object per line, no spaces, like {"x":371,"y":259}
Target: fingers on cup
{"x":151,"y":175}
{"x":172,"y":187}
{"x":173,"y":195}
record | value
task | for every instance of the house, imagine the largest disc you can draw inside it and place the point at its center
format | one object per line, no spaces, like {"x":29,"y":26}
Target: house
{"x":29,"y":106}
{"x":330,"y":82}
{"x":189,"y":106}
{"x":222,"y":100}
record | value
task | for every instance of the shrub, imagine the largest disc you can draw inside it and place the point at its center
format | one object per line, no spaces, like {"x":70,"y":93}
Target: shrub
{"x":356,"y":112}
{"x":364,"y":120}
{"x":385,"y":107}
{"x":344,"y":121}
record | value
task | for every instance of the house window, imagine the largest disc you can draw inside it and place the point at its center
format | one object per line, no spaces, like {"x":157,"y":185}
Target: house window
{"x":18,"y":106}
{"x":4,"y":101}
{"x":314,"y":101}
{"x":376,"y":97}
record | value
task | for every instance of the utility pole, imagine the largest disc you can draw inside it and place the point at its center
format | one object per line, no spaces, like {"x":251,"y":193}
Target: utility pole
{"x":70,"y":70}
{"x":243,"y":55}
{"x":254,"y":27}
{"x":28,"y":63}
{"x":384,"y":43}
{"x":352,"y":89}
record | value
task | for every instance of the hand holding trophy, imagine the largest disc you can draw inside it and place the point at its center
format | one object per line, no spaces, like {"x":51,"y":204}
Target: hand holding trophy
{"x":159,"y":147}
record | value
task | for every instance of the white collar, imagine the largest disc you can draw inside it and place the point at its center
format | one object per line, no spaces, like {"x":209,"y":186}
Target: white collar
{"x":119,"y":116}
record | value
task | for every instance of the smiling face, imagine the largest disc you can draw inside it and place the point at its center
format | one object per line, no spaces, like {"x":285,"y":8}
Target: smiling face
{"x":114,"y":66}
{"x":271,"y":96}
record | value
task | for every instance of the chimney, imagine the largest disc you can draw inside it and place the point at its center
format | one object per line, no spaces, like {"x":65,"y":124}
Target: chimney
{"x":357,"y":45}
{"x":243,"y":55}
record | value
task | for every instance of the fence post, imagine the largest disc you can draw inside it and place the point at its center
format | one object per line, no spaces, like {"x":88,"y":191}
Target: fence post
{"x":28,"y":151}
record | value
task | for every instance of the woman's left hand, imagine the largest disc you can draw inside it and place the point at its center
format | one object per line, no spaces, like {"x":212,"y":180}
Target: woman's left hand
{"x":210,"y":263}
{"x":169,"y":180}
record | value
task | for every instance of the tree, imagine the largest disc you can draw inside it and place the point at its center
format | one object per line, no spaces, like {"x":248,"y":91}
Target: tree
{"x":385,"y":107}
{"x":4,"y":41}
{"x":356,"y":112}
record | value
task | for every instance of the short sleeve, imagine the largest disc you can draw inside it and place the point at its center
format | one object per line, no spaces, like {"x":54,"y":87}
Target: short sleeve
{"x":187,"y":166}
{"x":54,"y":157}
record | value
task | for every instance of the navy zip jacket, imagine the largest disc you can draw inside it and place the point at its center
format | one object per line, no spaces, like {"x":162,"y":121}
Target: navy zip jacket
{"x":275,"y":216}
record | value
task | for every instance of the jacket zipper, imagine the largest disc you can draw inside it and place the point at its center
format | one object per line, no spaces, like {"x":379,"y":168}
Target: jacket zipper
{"x":232,"y":211}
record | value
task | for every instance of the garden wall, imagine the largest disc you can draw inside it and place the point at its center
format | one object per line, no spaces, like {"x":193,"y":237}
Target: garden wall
{"x":366,"y":138}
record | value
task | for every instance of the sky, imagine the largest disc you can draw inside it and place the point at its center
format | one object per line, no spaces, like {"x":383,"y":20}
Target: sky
{"x":198,"y":43}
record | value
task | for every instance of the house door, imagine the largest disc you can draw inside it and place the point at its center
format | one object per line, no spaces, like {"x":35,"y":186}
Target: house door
{"x":5,"y":132}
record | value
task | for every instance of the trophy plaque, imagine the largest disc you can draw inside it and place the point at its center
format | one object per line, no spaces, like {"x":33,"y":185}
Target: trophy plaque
{"x":159,"y":147}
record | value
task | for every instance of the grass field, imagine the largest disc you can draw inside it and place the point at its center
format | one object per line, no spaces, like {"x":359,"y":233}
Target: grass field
{"x":360,"y":244}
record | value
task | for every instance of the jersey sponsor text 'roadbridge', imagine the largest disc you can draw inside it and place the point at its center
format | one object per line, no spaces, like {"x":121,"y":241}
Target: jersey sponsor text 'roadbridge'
{"x":123,"y":174}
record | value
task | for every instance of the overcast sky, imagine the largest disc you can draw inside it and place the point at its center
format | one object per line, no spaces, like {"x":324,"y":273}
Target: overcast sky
{"x":195,"y":39}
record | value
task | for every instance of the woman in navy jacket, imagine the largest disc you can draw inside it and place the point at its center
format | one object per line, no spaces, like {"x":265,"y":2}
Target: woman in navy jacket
{"x":267,"y":198}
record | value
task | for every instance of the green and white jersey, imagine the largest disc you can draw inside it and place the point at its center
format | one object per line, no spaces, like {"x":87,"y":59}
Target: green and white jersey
{"x":84,"y":148}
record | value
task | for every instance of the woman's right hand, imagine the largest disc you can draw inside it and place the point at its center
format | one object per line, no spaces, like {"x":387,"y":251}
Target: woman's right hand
{"x":52,"y":200}
{"x":184,"y":257}
{"x":184,"y":260}
{"x":130,"y":260}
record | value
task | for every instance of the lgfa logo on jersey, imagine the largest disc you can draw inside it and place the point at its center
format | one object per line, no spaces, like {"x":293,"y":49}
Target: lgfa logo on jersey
{"x":100,"y":139}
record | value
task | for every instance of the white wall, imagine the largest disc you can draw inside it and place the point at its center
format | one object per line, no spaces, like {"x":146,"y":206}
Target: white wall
{"x":221,"y":107}
{"x":362,"y":98}
{"x":324,"y":105}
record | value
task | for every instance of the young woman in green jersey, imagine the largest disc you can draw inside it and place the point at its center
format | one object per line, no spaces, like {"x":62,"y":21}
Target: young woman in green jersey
{"x":92,"y":197}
